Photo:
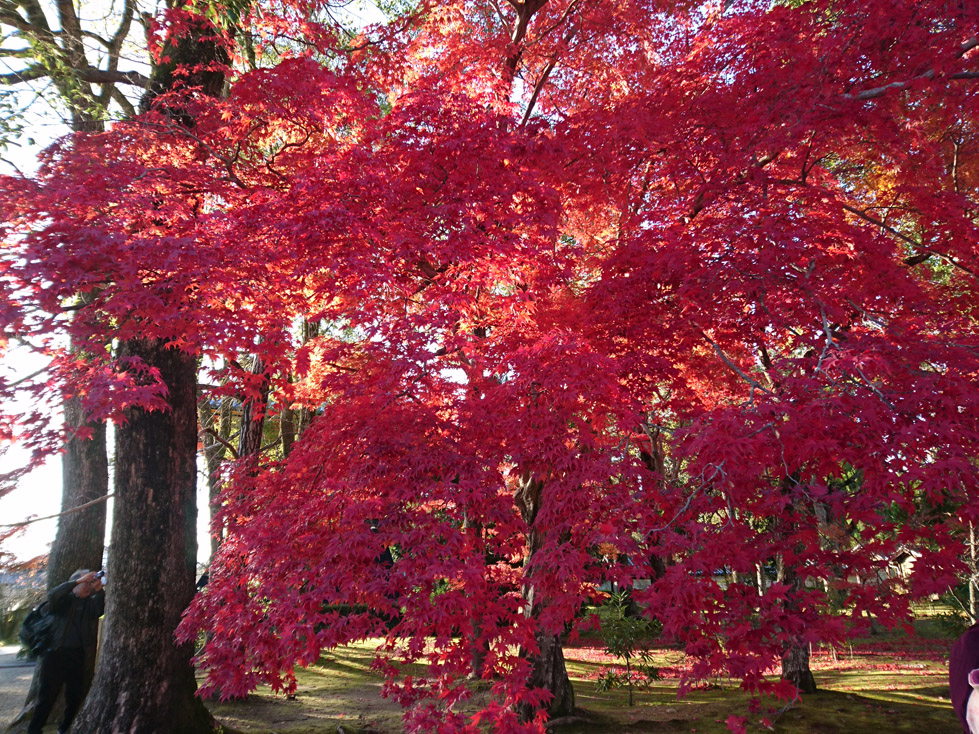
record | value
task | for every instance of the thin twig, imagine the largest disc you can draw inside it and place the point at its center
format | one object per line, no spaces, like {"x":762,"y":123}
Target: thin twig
{"x":60,"y":514}
{"x":727,"y":360}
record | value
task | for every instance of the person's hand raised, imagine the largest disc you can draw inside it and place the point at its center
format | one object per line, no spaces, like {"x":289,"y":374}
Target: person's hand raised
{"x":87,"y":585}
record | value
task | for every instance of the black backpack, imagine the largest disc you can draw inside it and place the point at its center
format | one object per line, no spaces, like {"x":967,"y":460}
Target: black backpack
{"x":37,"y":630}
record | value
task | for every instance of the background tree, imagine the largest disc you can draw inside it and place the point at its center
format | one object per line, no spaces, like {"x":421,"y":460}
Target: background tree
{"x":53,"y":45}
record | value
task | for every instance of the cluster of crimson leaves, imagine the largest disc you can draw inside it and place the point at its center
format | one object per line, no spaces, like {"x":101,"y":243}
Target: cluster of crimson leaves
{"x":737,"y":242}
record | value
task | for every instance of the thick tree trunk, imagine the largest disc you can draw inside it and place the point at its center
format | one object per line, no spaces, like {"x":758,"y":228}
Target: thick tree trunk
{"x":795,"y":656}
{"x":253,"y":416}
{"x":550,"y":673}
{"x":547,"y":665}
{"x":144,"y":682}
{"x":287,"y":430}
{"x":80,"y":540}
{"x":795,"y":667}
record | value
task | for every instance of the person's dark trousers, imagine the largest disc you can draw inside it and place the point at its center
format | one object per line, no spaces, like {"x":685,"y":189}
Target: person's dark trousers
{"x":64,"y":667}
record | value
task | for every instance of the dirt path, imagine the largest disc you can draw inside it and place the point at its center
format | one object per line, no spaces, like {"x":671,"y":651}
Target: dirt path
{"x":323,"y":701}
{"x":15,"y":679}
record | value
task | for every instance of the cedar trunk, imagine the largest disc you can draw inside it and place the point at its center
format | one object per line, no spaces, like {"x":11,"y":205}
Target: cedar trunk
{"x":80,"y":539}
{"x":215,"y":449}
{"x":144,"y":682}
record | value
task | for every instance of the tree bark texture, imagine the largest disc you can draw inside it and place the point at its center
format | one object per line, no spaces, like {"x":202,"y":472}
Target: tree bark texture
{"x":80,"y":540}
{"x":548,"y":670}
{"x":795,"y":667}
{"x":795,"y":656}
{"x":253,"y":417}
{"x":144,"y":682}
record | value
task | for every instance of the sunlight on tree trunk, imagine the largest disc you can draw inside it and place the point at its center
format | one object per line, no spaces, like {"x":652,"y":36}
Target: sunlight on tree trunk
{"x":144,"y":681}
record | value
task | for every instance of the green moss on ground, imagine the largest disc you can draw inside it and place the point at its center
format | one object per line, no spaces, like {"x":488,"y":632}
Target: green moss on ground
{"x":881,"y":685}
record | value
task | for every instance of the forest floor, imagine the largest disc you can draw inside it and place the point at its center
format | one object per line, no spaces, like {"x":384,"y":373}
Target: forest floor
{"x":891,"y":683}
{"x":879,"y":686}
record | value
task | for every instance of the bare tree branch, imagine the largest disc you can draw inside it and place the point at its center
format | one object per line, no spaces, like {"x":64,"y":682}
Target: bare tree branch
{"x":79,"y":508}
{"x":104,"y":76}
{"x":914,"y":259}
{"x":120,"y":99}
{"x":26,"y":75}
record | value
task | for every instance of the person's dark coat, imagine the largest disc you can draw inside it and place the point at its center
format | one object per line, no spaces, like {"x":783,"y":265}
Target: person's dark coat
{"x":963,"y":659}
{"x":77,"y":619}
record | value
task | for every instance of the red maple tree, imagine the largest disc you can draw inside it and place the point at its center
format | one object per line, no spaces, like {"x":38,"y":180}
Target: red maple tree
{"x":693,"y":281}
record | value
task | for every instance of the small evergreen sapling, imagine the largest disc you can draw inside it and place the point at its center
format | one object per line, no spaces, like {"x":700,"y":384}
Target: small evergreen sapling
{"x":628,"y":637}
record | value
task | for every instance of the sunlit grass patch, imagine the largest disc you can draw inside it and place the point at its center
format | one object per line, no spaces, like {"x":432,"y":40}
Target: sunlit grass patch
{"x":893,"y":683}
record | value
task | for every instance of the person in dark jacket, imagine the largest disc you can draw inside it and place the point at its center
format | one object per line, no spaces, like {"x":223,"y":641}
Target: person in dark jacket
{"x":77,"y":605}
{"x":963,"y":662}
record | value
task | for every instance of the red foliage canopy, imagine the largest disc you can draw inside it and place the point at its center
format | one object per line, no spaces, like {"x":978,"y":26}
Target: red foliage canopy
{"x":703,"y":277}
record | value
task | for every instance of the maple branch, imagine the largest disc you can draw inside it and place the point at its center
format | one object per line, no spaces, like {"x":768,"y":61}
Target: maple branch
{"x":341,"y":367}
{"x":700,"y":202}
{"x":28,"y":378}
{"x":499,"y":11}
{"x":183,"y":131}
{"x":526,"y":9}
{"x":539,"y":86}
{"x":558,"y":22}
{"x":408,"y":20}
{"x":270,"y":162}
{"x":211,"y":432}
{"x":827,"y":329}
{"x":727,"y":360}
{"x":718,"y":469}
{"x":537,"y":90}
{"x":928,"y":75}
{"x":914,"y":259}
{"x":875,"y":389}
{"x":878,"y":321}
{"x":79,"y":508}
